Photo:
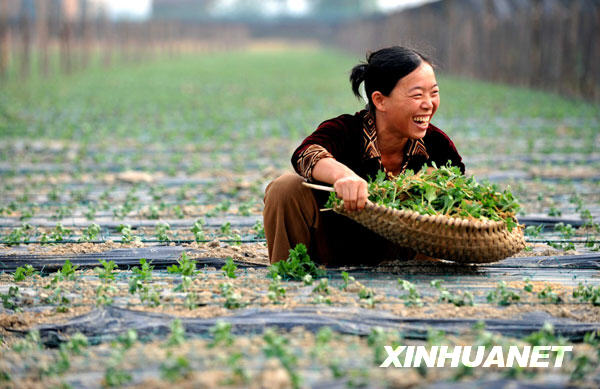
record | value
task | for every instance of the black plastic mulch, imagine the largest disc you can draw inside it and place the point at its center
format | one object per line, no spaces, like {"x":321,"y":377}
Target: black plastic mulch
{"x":103,"y":324}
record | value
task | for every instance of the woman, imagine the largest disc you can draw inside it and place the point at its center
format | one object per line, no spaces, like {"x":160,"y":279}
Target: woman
{"x":393,"y":134}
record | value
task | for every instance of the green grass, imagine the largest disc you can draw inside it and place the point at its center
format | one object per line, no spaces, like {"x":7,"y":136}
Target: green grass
{"x":233,"y":96}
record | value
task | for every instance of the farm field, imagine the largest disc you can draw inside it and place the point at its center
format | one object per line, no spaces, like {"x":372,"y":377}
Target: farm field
{"x":149,"y":180}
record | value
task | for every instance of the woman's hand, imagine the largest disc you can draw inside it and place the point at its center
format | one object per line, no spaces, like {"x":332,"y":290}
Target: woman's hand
{"x":353,"y":190}
{"x":347,"y":184}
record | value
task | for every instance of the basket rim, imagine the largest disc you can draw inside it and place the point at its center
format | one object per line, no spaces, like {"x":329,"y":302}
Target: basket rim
{"x":442,"y":220}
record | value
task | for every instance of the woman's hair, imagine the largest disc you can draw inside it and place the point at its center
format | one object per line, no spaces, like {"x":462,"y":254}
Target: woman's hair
{"x":383,"y":69}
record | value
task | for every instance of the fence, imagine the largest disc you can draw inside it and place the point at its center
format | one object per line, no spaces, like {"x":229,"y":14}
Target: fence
{"x":546,"y":44}
{"x":44,"y":36}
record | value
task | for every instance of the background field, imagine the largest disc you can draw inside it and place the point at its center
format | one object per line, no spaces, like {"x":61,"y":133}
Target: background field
{"x":173,"y":155}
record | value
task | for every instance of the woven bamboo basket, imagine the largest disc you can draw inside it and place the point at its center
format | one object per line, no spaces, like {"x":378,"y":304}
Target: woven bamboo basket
{"x":439,"y":236}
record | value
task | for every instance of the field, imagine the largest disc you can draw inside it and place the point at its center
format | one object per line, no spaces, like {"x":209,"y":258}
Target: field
{"x":149,"y":180}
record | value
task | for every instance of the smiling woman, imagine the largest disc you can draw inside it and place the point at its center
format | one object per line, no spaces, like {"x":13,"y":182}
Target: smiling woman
{"x":394,"y":133}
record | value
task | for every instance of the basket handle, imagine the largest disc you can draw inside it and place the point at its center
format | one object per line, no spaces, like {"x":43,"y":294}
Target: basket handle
{"x":319,"y":187}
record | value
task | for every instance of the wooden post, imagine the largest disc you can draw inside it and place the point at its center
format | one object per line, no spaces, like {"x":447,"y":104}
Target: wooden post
{"x":24,"y":28}
{"x":41,"y":7}
{"x":4,"y":39}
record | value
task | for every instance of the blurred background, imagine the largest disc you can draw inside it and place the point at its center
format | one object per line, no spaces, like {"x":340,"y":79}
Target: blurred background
{"x":548,"y":44}
{"x":129,"y":112}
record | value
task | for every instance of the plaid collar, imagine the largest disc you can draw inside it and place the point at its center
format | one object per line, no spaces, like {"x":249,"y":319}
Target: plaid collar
{"x":371,"y":149}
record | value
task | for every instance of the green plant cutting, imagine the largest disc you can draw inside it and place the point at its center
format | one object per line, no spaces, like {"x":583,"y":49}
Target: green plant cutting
{"x":441,"y":191}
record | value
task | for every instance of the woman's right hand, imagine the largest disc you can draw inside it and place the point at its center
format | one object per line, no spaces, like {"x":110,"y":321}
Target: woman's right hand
{"x":353,"y":190}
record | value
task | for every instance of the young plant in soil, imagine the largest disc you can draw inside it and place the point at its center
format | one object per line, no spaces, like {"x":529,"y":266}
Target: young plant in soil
{"x":277,"y":346}
{"x":140,"y":274}
{"x":549,"y":296}
{"x":126,"y":233}
{"x":259,"y":230}
{"x":10,"y":300}
{"x":502,"y":296}
{"x":221,"y":333}
{"x":458,"y":299}
{"x":91,"y":232}
{"x":185,"y":266}
{"x":296,"y":266}
{"x":442,"y":191}
{"x":276,"y":290}
{"x":233,"y":299}
{"x":23,"y":272}
{"x":59,"y":233}
{"x":198,"y":231}
{"x":229,"y":268}
{"x":587,"y":293}
{"x":413,"y":298}
{"x":161,"y":232}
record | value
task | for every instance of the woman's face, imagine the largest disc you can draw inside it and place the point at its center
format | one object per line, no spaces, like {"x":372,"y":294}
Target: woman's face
{"x":412,"y":103}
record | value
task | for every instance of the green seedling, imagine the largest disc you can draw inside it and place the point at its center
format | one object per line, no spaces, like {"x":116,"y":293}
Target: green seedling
{"x":322,"y":287}
{"x":153,"y":212}
{"x":140,"y":274}
{"x":126,"y":233}
{"x":104,"y":294}
{"x":191,"y":300}
{"x":588,"y":293}
{"x":562,"y":246}
{"x":555,"y":212}
{"x":296,"y":266}
{"x":233,"y":300}
{"x":161,"y":232}
{"x":224,"y":206}
{"x":346,"y":278}
{"x":306,"y":280}
{"x":31,"y":342}
{"x":277,"y":346}
{"x":106,"y":272}
{"x":197,"y":230}
{"x":221,"y":333}
{"x":566,"y":231}
{"x":259,"y":230}
{"x":368,"y":295}
{"x":377,"y":339}
{"x":23,"y":272}
{"x":548,"y":295}
{"x":148,"y":295}
{"x":178,"y":211}
{"x":545,"y":337}
{"x":90,"y":213}
{"x":185,"y":266}
{"x":185,"y":285}
{"x":175,"y":368}
{"x":528,"y":287}
{"x":413,"y":298}
{"x":458,"y":299}
{"x":177,"y":336}
{"x":226,"y":228}
{"x":276,"y":290}
{"x":10,"y":299}
{"x":57,"y":297}
{"x":91,"y":232}
{"x":236,"y":239}
{"x":442,"y":191}
{"x":534,"y":231}
{"x":239,"y":375}
{"x":59,"y":233}
{"x":114,"y":375}
{"x":229,"y":268}
{"x":19,"y":234}
{"x":502,"y":296}
{"x":62,"y":212}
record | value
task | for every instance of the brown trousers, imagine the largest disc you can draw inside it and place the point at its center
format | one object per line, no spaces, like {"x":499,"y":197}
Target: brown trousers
{"x":291,"y":216}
